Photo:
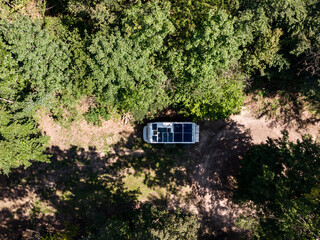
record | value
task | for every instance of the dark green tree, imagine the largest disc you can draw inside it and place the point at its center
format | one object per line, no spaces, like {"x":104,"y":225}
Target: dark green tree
{"x":278,"y":31}
{"x":42,"y":62}
{"x":124,"y":72}
{"x":205,"y":72}
{"x":20,"y":142}
{"x":282,"y":178}
{"x":95,"y":15}
{"x":150,"y":222}
{"x":11,"y":83}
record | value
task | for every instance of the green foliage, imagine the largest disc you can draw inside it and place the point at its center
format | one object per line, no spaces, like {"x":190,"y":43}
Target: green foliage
{"x":69,"y":234}
{"x":206,"y":79}
{"x":94,"y":113}
{"x":20,"y":142}
{"x":150,"y":222}
{"x":20,"y":139}
{"x":278,"y":31}
{"x":98,"y":14}
{"x":187,"y":15}
{"x":280,"y":178}
{"x":124,"y":72}
{"x":10,"y":81}
{"x":148,"y":25}
{"x":124,"y":77}
{"x":43,"y":63}
{"x":78,"y":69}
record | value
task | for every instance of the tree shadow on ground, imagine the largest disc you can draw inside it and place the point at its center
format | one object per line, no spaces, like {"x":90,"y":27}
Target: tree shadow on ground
{"x":219,"y":157}
{"x":76,"y":184}
{"x":286,"y":109}
{"x":85,"y":188}
{"x":162,"y":166}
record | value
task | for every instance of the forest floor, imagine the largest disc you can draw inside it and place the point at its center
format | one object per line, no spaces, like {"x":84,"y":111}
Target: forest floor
{"x":197,"y":178}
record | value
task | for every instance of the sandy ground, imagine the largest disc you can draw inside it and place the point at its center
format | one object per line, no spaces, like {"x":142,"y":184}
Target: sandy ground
{"x":262,"y":128}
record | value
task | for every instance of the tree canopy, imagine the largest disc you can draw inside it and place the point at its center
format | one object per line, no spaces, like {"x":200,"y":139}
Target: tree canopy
{"x":124,"y":72}
{"x":150,"y":222}
{"x":281,"y":178}
{"x":207,"y":81}
{"x":20,"y":142}
{"x":42,"y":63}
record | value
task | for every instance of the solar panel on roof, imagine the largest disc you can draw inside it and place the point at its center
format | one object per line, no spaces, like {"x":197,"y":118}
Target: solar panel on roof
{"x":165,"y":137}
{"x":154,"y":138}
{"x":159,"y":137}
{"x":187,"y":127}
{"x":177,"y":127}
{"x":162,"y":130}
{"x":177,"y":137}
{"x":154,"y":126}
{"x":170,"y":137}
{"x":187,"y":137}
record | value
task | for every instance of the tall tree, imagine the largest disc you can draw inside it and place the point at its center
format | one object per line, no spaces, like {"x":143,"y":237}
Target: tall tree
{"x":124,"y":71}
{"x":207,"y":81}
{"x":42,"y":63}
{"x":279,"y":31}
{"x":11,"y":83}
{"x":282,"y":178}
{"x":20,"y":142}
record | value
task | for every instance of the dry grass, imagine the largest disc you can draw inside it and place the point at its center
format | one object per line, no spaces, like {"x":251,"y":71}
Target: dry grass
{"x":82,"y":134}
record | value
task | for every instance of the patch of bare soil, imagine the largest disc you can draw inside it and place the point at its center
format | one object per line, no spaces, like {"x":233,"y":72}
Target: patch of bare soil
{"x":264,"y":127}
{"x":82,"y":134}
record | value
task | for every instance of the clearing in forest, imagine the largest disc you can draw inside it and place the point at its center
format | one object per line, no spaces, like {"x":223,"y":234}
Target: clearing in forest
{"x":197,"y":178}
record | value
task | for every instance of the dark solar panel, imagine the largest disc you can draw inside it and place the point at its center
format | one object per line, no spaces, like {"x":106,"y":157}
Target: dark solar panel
{"x":187,"y":137}
{"x":165,"y":137}
{"x":162,"y":130}
{"x":159,"y":137}
{"x":187,"y":127}
{"x":177,"y":127}
{"x":178,"y":137}
{"x":180,"y":132}
{"x":170,"y":137}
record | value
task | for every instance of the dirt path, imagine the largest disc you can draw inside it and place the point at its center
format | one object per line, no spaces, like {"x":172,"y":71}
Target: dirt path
{"x":264,"y":127}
